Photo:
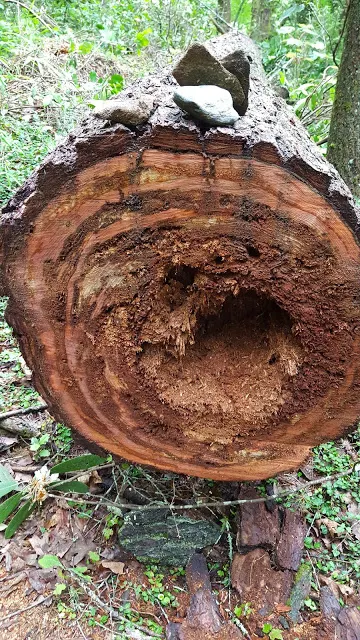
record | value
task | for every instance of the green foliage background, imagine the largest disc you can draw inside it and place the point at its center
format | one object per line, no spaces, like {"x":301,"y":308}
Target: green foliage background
{"x":56,"y":55}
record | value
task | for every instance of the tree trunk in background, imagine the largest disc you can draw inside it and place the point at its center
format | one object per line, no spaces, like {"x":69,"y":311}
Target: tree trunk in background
{"x":344,"y":137}
{"x":225,"y":12}
{"x":188,"y":297}
{"x":261,"y":19}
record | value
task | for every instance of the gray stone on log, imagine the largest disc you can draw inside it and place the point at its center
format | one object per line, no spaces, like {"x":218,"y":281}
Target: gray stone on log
{"x":126,"y":111}
{"x":238,"y":64}
{"x":198,"y":66}
{"x":207,"y":103}
{"x":162,"y":537}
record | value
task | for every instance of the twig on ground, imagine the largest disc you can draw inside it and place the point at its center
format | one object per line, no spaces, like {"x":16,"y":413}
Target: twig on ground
{"x":11,"y":576}
{"x":37,"y":603}
{"x":31,"y":468}
{"x":80,"y":629}
{"x":22,"y":412}
{"x":78,"y":474}
{"x":313,"y":570}
{"x":220,"y":503}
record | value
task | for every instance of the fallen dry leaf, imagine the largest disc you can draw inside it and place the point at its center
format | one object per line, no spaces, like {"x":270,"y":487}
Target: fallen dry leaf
{"x":355,"y":528}
{"x":60,"y":518}
{"x":282,"y":608}
{"x":345,"y":590}
{"x":40,"y":545}
{"x":42,"y":580}
{"x":331,"y":526}
{"x":115,"y":567}
{"x":95,"y":483}
{"x":353,"y":507}
{"x":327,"y":543}
{"x":7,"y":441}
{"x":329,"y":582}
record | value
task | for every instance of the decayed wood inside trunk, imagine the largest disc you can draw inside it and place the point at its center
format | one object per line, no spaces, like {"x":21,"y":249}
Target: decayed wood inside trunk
{"x":188,"y":297}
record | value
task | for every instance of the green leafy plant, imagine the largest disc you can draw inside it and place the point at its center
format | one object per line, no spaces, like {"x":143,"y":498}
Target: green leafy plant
{"x":62,"y":439}
{"x":243,"y":610}
{"x":177,"y":571}
{"x":50,"y":562}
{"x":38,"y":489}
{"x":93,"y":557}
{"x":7,"y":482}
{"x":59,"y":588}
{"x":273,"y":633}
{"x":111,"y":521}
{"x":80,"y":463}
{"x":156,"y":592}
{"x":38,"y":447}
{"x":310,"y":604}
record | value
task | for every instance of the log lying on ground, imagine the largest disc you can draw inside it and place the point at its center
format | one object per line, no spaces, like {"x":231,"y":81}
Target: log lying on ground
{"x":188,"y":297}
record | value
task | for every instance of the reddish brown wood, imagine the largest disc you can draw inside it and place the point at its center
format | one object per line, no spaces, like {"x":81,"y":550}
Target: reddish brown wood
{"x":255,"y":581}
{"x":203,"y":619}
{"x":290,"y":548}
{"x":188,"y":298}
{"x":257,"y":525}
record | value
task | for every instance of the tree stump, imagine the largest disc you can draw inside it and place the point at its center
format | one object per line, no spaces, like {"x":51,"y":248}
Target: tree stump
{"x":188,"y":297}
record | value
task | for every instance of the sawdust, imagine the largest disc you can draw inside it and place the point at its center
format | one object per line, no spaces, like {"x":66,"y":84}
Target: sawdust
{"x":233,"y":376}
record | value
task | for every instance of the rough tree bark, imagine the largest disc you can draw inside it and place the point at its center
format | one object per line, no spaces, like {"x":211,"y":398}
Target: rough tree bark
{"x":344,"y":136}
{"x":261,"y":19}
{"x":225,"y":12}
{"x":188,"y":297}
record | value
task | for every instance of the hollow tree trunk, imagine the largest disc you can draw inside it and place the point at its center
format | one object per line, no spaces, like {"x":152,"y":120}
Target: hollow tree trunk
{"x":188,"y":297}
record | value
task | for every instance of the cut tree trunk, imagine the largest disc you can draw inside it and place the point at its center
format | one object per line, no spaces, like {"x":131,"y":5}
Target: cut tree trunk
{"x":188,"y":297}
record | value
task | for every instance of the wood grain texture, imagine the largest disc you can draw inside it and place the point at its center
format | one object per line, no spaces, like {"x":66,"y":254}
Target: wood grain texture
{"x":188,"y":298}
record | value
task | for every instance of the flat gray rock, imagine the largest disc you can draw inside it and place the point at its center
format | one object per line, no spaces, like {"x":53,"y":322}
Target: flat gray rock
{"x":126,"y":111}
{"x":165,"y":538}
{"x":198,"y":66}
{"x":207,"y":103}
